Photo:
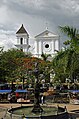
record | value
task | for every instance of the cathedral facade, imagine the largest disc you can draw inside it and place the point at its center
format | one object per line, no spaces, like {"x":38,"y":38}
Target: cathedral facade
{"x":45,"y":42}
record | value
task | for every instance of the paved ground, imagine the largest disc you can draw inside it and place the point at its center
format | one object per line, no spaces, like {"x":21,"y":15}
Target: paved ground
{"x":70,"y":108}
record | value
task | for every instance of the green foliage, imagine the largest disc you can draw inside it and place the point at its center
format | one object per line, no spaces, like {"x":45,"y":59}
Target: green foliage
{"x":67,"y":42}
{"x":59,"y":66}
{"x":69,"y":31}
{"x":9,"y":64}
{"x":45,"y":56}
{"x":72,"y":33}
{"x":15,"y":64}
{"x":66,"y":62}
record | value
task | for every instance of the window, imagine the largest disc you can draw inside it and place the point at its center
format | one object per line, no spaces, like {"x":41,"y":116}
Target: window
{"x":21,"y":40}
{"x":47,"y":46}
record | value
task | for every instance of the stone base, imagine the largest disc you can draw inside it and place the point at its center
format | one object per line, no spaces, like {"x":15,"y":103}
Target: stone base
{"x":37,"y":109}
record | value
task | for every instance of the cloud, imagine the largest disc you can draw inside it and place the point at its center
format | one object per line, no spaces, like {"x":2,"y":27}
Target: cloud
{"x":34,"y":14}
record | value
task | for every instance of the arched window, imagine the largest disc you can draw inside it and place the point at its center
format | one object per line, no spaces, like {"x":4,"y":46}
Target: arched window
{"x":21,"y":41}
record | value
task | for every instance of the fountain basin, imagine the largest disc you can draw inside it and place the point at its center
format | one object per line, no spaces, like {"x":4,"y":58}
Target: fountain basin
{"x":48,"y":113}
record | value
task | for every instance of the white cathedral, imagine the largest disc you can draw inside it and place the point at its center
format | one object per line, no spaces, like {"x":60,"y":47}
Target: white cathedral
{"x":45,"y":42}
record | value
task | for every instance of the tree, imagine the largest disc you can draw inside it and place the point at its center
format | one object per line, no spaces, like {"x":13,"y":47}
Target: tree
{"x":72,"y":33}
{"x":65,"y":63}
{"x":45,"y":56}
{"x":59,"y":66}
{"x":9,"y":64}
{"x":73,"y":50}
{"x":1,"y":50}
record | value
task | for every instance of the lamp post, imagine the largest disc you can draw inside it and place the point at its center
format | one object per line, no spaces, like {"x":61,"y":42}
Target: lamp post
{"x":37,"y":108}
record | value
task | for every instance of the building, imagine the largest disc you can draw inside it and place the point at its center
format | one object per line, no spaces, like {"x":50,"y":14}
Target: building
{"x":22,"y":39}
{"x":45,"y":42}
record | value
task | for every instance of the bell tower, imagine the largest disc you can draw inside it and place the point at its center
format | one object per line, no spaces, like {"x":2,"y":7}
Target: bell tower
{"x":22,"y":39}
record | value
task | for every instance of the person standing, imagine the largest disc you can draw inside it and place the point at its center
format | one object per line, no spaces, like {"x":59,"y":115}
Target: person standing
{"x":42,"y":99}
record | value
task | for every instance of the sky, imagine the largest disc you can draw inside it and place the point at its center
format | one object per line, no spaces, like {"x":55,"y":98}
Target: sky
{"x":36,"y":15}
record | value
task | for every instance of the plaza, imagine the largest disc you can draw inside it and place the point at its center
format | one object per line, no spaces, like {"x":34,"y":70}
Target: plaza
{"x":45,"y":33}
{"x":70,"y":108}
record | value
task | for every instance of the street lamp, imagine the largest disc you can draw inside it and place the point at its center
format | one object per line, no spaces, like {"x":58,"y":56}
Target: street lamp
{"x":37,"y":108}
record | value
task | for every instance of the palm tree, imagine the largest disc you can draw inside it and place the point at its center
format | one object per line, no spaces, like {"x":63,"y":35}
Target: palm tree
{"x":72,"y":33}
{"x":73,"y":51}
{"x":45,"y":56}
{"x":65,"y":63}
{"x":1,"y":50}
{"x":59,"y":64}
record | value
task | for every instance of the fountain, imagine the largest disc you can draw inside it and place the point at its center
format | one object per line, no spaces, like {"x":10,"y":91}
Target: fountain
{"x":38,"y":111}
{"x":37,"y":108}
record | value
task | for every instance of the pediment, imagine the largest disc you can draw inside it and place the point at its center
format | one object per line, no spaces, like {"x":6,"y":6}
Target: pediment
{"x":45,"y":34}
